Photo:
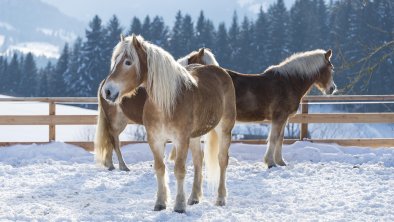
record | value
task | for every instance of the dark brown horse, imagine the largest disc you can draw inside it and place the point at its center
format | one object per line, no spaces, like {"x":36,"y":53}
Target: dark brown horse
{"x":276,"y":93}
{"x":181,"y":105}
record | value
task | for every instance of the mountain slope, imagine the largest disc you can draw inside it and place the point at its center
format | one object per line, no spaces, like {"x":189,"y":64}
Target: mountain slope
{"x":31,"y":25}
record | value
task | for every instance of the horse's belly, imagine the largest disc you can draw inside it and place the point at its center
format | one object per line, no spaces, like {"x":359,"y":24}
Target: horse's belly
{"x":204,"y":128}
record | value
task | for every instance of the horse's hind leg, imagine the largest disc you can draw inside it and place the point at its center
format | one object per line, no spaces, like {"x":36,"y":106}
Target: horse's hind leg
{"x":273,"y":139}
{"x":224,"y":135}
{"x":198,"y":156}
{"x":278,"y":149}
{"x":181,"y":145}
{"x":122,"y":164}
{"x":118,"y":124}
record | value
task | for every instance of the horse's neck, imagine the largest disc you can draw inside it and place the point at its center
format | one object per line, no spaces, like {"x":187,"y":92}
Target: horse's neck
{"x":301,"y":85}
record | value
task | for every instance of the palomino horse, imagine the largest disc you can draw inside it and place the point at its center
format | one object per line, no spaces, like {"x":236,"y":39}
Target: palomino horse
{"x":276,"y":93}
{"x":180,"y":106}
{"x":113,"y":118}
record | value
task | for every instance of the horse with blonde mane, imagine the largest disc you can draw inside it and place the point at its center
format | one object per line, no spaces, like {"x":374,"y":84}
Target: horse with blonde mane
{"x":180,"y":106}
{"x":113,"y":118}
{"x":276,"y":93}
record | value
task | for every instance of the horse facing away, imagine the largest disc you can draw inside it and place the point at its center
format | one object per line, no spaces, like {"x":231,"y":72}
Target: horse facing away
{"x":180,"y":106}
{"x":113,"y":118}
{"x":276,"y":93}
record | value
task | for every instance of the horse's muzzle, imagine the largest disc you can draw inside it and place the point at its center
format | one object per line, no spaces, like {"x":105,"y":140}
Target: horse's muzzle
{"x":110,"y":94}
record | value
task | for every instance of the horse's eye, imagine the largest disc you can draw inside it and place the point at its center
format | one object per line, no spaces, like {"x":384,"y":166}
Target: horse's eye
{"x":127,"y":63}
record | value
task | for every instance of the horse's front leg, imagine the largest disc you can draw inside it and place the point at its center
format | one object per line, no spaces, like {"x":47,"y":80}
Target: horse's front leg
{"x":181,"y":145}
{"x":198,"y":156}
{"x":278,"y":149}
{"x":273,"y":139}
{"x":157,"y":147}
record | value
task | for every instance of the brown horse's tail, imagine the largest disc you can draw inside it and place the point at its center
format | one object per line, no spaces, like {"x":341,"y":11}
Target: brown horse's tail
{"x":211,"y":153}
{"x":103,"y":142}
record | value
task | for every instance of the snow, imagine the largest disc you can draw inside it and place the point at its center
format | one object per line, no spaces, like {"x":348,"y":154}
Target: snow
{"x":59,"y":182}
{"x":6,"y":26}
{"x":61,"y":33}
{"x":36,"y":48}
{"x":321,"y":182}
{"x":2,"y":39}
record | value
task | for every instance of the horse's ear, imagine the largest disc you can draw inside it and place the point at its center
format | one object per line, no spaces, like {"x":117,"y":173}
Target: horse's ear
{"x":328,"y":54}
{"x":121,"y":37}
{"x":201,"y":52}
{"x":136,"y":43}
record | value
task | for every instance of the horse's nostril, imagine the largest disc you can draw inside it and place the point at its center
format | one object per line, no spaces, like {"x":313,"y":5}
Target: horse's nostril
{"x":107,"y":93}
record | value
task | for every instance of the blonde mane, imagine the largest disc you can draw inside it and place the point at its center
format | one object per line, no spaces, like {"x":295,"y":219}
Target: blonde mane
{"x":165,"y":78}
{"x":304,"y":64}
{"x":208,"y":58}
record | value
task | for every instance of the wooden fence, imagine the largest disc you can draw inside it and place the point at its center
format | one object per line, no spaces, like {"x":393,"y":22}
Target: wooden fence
{"x":303,"y":118}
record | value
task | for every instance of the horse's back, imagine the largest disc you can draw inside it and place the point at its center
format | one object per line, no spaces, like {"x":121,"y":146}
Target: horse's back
{"x":213,"y":99}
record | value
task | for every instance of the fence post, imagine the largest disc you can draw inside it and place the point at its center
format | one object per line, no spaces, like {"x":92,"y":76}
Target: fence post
{"x":304,"y":126}
{"x":52,"y":113}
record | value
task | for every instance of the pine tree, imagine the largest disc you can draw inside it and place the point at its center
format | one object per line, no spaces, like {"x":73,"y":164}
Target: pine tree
{"x":246,"y":59}
{"x":28,"y":84}
{"x":13,"y":75}
{"x":56,"y":79}
{"x":111,"y":38}
{"x":278,"y":45}
{"x":322,"y":25}
{"x":205,"y":32}
{"x":221,"y":47}
{"x":233,"y":36}
{"x":260,"y":37}
{"x":94,"y":63}
{"x":159,"y":32}
{"x":176,"y":36}
{"x":43,"y":84}
{"x":135,"y":27}
{"x":72,"y":76}
{"x":3,"y":74}
{"x":146,"y":29}
{"x":187,"y":35}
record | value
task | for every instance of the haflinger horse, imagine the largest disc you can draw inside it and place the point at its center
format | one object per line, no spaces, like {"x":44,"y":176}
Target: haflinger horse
{"x":180,"y":106}
{"x":113,"y":118}
{"x":276,"y":93}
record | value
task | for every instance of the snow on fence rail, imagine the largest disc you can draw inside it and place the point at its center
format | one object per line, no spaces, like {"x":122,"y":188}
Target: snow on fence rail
{"x":303,"y":118}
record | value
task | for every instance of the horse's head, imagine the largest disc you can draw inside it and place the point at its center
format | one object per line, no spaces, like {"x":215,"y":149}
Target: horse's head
{"x":325,"y":81}
{"x":203,"y":56}
{"x":128,"y":68}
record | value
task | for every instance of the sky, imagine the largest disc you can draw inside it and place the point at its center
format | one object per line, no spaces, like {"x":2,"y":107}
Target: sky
{"x":218,"y":10}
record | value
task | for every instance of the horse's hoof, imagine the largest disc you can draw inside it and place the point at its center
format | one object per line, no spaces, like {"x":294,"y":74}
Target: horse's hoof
{"x":124,"y":168}
{"x":180,"y":211}
{"x":111,"y":168}
{"x":221,"y":202}
{"x":271,"y":166}
{"x":192,"y":202}
{"x":281,"y":163}
{"x":159,"y":207}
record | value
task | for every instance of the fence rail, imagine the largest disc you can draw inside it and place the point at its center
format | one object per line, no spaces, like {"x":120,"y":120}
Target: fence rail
{"x":303,"y":118}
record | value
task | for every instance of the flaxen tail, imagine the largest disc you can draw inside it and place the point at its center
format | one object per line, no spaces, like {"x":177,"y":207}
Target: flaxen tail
{"x":211,"y":152}
{"x":103,"y":144}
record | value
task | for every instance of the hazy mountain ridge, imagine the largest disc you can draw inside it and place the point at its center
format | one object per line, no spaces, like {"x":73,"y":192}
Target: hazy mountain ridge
{"x":32,"y":23}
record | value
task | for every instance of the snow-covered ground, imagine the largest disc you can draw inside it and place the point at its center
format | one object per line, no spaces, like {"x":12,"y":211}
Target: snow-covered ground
{"x":59,"y":182}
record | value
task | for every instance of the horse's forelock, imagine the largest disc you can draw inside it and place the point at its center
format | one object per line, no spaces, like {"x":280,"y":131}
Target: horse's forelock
{"x":125,"y":48}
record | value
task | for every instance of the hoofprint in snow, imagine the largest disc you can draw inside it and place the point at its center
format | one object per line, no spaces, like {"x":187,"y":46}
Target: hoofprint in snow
{"x":321,"y":182}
